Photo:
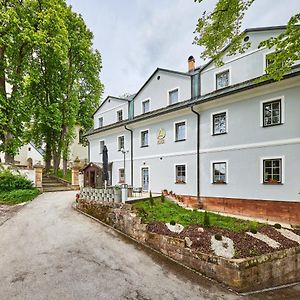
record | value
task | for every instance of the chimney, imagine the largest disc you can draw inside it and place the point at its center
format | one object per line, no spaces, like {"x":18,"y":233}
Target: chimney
{"x":191,"y":63}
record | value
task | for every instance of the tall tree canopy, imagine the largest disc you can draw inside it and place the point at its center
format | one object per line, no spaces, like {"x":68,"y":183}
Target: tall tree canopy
{"x":222,"y":27}
{"x":57,"y":85}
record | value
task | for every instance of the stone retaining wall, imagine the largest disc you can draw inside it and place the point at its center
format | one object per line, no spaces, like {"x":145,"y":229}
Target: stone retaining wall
{"x":101,"y":195}
{"x":242,"y":275}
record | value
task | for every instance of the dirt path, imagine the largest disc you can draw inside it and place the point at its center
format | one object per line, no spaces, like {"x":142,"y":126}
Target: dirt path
{"x":50,"y":251}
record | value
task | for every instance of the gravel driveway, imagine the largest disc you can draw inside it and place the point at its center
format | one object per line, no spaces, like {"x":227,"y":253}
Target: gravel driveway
{"x":50,"y":251}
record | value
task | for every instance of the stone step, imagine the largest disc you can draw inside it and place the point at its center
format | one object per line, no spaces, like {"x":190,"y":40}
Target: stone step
{"x":53,"y":183}
{"x":56,"y":189}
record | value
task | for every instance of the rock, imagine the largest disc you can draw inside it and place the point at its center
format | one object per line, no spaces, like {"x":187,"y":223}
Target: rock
{"x":262,"y":237}
{"x":223,"y":248}
{"x":188,"y":242}
{"x":177,"y":228}
{"x":200,"y":229}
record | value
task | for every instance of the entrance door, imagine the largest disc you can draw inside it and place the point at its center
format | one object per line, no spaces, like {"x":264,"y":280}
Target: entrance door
{"x":92,"y":179}
{"x":145,"y":179}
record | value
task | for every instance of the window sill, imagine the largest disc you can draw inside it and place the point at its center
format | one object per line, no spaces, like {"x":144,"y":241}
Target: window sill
{"x":221,"y":88}
{"x":272,"y":183}
{"x":272,"y":125}
{"x":183,"y":140}
{"x":144,"y":146}
{"x":219,"y":183}
{"x":180,"y":182}
{"x":216,"y":134}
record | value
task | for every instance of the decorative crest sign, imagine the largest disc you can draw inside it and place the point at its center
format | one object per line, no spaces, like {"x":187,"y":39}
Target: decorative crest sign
{"x":161,"y":134}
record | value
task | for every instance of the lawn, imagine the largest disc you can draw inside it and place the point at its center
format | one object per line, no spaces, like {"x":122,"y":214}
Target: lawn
{"x":168,"y":211}
{"x":18,"y":196}
{"x":67,"y":177}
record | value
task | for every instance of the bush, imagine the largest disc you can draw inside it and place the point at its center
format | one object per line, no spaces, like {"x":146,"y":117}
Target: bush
{"x":277,"y":226}
{"x":172,"y":223}
{"x":206,"y":220}
{"x":162,"y":198}
{"x":10,"y":182}
{"x":18,"y":196}
{"x":253,"y":230}
{"x":151,"y":199}
{"x":218,"y":237}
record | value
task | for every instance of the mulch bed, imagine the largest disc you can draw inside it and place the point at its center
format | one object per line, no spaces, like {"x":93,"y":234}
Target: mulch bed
{"x":244,"y":244}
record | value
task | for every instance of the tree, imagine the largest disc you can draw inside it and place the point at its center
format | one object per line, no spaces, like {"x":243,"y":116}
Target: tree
{"x":221,"y":29}
{"x":64,"y":81}
{"x":16,"y":34}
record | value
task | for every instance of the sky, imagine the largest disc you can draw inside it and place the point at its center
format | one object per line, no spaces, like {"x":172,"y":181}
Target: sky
{"x":135,"y":37}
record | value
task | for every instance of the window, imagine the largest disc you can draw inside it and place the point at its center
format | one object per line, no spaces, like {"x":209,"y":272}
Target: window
{"x":219,"y":172}
{"x":179,"y":131}
{"x":120,"y":143}
{"x":121,"y":175}
{"x":272,"y":113}
{"x":145,"y":138}
{"x":272,"y":170}
{"x":173,"y":96}
{"x":100,"y":122}
{"x":195,"y":85}
{"x":119,"y":115}
{"x":222,"y":79}
{"x":29,"y":148}
{"x":145,"y":106}
{"x":180,"y":174}
{"x":219,"y":123}
{"x":101,"y":146}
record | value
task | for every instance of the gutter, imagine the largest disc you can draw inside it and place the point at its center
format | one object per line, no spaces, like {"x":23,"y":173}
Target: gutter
{"x":131,"y":153}
{"x":198,"y":151}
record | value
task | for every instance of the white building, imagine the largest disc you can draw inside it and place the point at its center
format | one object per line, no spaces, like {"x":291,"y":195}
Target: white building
{"x":214,"y":133}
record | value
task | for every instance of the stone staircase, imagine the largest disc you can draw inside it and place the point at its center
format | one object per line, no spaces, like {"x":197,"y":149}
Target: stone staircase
{"x":52,"y":184}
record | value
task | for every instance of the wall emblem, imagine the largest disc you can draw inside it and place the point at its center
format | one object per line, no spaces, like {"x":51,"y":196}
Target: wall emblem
{"x":161,"y":134}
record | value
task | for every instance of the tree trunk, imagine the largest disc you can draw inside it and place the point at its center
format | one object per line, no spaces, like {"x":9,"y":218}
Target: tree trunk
{"x":65,"y":167}
{"x":48,"y":157}
{"x":56,"y":162}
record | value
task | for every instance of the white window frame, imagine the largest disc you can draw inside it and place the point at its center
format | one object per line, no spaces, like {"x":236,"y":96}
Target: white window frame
{"x":180,"y":164}
{"x":143,"y":130}
{"x":212,"y":171}
{"x":174,"y":130}
{"x":142,"y":110}
{"x":265,"y":60}
{"x":118,"y":141}
{"x":149,"y":174}
{"x":282,"y":157}
{"x":212,"y":121}
{"x":120,"y":110}
{"x":168,"y":95}
{"x":100,"y":152}
{"x":119,"y":181}
{"x":227,"y":68}
{"x":99,"y":122}
{"x":282,"y":99}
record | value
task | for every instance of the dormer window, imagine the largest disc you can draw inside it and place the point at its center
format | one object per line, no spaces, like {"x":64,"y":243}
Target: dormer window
{"x":222,"y":80}
{"x":119,"y":115}
{"x":145,"y":106}
{"x":173,"y":96}
{"x":100,"y":122}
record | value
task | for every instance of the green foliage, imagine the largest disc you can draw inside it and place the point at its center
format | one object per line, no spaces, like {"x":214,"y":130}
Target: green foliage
{"x":172,"y":222}
{"x":221,"y":29}
{"x":169,"y":211}
{"x":10,"y":182}
{"x":253,"y":252}
{"x":18,"y":196}
{"x":253,"y":230}
{"x":206,"y":219}
{"x":151,"y":200}
{"x":60,"y":174}
{"x":277,"y":226}
{"x":162,"y":198}
{"x":218,"y":237}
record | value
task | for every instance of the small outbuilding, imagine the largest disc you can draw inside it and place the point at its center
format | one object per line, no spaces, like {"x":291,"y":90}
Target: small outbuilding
{"x":93,"y":175}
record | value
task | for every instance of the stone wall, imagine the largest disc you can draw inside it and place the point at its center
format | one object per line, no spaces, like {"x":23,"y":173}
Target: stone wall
{"x":101,"y":195}
{"x":242,"y":275}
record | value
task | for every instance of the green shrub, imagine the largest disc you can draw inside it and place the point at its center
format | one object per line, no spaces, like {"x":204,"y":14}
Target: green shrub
{"x":218,"y":237}
{"x":151,"y":199}
{"x":253,"y":230}
{"x":172,"y":223}
{"x":10,"y":182}
{"x":277,"y":226}
{"x":253,"y":252}
{"x":18,"y":196}
{"x":162,"y":198}
{"x":206,"y":220}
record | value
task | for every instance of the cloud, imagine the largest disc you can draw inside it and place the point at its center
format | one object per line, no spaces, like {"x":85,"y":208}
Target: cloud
{"x":135,"y":37}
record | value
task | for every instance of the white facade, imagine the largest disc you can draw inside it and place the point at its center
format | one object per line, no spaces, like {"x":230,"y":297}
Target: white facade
{"x":238,"y":150}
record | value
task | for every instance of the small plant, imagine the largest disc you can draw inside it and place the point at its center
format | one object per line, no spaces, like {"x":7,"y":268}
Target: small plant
{"x":172,"y":223}
{"x":253,"y":252}
{"x":162,"y":198}
{"x":218,"y":237}
{"x":206,"y":220}
{"x":171,"y":192}
{"x":277,"y":226}
{"x":151,"y":199}
{"x":165,"y":192}
{"x":253,"y":230}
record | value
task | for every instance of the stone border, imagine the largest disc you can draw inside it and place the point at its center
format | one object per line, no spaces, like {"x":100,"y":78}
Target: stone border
{"x":244,"y":276}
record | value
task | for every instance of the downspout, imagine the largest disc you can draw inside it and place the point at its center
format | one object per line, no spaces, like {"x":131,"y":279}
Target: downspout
{"x":89,"y":152}
{"x":198,"y":152}
{"x":131,"y":153}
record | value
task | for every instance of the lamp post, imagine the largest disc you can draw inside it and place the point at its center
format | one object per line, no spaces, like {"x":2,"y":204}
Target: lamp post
{"x":124,"y":158}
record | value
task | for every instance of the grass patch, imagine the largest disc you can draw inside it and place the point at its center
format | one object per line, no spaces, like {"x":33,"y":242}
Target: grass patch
{"x":169,"y":211}
{"x":18,"y":196}
{"x":67,"y":177}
